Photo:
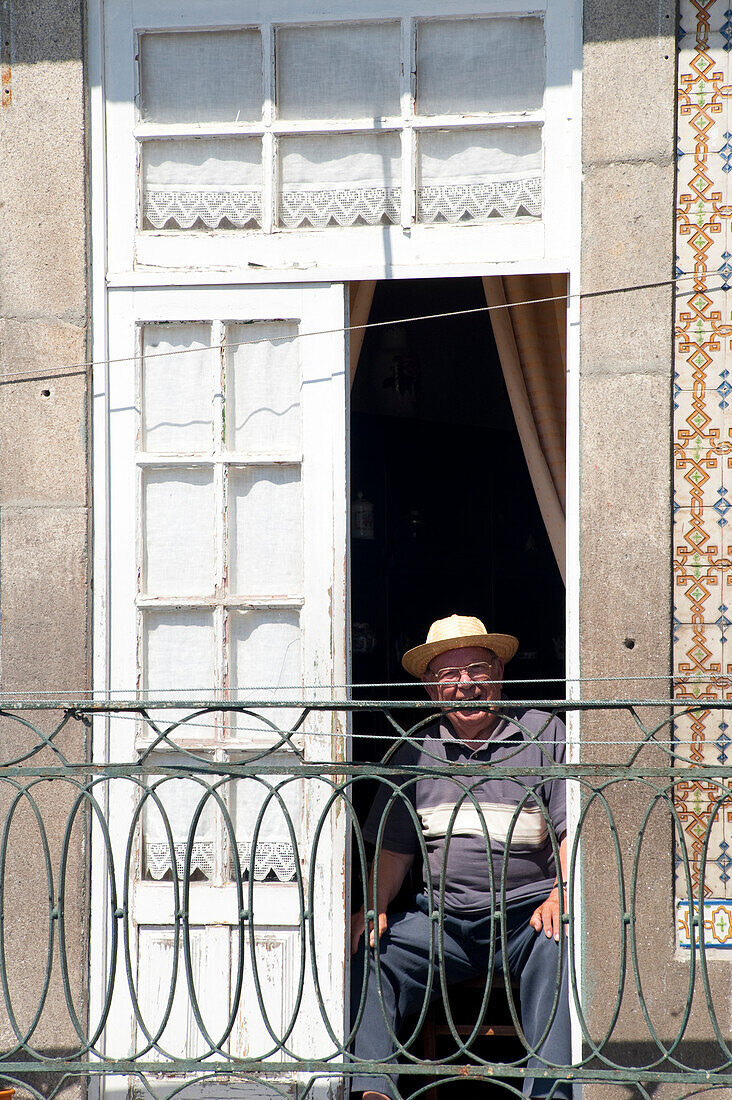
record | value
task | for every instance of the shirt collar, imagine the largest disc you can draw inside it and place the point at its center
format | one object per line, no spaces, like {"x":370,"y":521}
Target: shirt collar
{"x":502,"y":731}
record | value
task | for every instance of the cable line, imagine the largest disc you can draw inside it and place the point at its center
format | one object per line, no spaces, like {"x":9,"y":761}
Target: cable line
{"x":80,"y":368}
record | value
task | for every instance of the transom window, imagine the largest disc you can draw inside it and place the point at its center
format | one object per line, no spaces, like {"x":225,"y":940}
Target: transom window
{"x":381,"y":122}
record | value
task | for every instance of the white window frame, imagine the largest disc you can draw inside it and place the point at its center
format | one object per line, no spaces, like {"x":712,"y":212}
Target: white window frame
{"x":292,"y":253}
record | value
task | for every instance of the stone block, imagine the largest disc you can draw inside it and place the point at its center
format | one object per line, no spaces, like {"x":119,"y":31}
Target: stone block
{"x":28,"y":883}
{"x":44,"y":441}
{"x":627,"y":20}
{"x":39,"y":345}
{"x":44,"y":533}
{"x":42,"y":214}
{"x":42,"y":181}
{"x":613,"y":126}
{"x":626,"y":529}
{"x":47,"y":30}
{"x":44,"y":585}
{"x":627,"y":242}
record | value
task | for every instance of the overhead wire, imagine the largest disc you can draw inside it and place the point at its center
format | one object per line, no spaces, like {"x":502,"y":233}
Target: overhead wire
{"x":81,"y":368}
{"x":95,"y":703}
{"x":78,"y":693}
{"x":76,"y":368}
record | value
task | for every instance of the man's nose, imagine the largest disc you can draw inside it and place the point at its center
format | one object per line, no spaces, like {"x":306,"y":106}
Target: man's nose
{"x":465,"y":680}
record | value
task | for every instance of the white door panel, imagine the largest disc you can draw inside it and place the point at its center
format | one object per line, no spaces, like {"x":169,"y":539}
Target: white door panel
{"x":226,"y":422}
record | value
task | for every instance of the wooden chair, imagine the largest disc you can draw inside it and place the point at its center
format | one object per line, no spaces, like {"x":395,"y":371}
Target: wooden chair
{"x":470,"y":994}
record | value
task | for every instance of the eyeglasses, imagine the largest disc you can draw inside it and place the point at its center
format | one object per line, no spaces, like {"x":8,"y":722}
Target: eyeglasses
{"x":478,"y":673}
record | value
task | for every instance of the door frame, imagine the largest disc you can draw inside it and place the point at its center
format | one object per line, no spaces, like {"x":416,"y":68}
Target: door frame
{"x":559,"y":253}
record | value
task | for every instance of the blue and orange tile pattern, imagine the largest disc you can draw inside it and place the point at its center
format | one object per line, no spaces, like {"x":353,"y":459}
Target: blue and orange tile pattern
{"x":702,"y":533}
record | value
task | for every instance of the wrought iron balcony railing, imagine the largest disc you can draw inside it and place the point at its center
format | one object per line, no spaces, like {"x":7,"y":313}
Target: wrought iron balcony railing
{"x":175,"y":881}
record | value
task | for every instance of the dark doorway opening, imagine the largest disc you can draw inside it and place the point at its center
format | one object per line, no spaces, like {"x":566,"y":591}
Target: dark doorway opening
{"x":437,"y":462}
{"x":444,"y":519}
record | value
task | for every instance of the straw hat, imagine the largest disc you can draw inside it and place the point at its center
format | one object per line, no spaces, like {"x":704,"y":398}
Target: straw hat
{"x":457,"y":632}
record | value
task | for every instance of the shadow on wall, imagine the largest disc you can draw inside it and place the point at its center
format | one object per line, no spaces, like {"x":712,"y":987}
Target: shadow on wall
{"x":626,"y":20}
{"x":52,"y":30}
{"x":49,"y":30}
{"x":700,"y":1054}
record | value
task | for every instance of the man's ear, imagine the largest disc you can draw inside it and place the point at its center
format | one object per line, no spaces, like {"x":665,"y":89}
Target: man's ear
{"x":501,"y":667}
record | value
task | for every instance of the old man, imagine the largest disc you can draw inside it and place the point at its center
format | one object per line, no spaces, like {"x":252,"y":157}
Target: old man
{"x":493,"y":834}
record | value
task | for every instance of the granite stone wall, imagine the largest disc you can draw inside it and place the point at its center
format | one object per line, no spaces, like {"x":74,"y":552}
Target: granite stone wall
{"x":630,"y":68}
{"x":44,"y":479}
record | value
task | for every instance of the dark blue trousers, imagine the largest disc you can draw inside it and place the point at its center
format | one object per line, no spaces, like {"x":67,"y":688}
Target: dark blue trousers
{"x":404,"y":965}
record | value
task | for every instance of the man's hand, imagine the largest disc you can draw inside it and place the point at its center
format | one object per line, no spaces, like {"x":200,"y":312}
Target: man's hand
{"x":393,"y":867}
{"x":546,"y":917}
{"x":358,"y":926}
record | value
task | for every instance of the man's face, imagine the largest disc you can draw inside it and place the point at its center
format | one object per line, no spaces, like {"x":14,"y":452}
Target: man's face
{"x":466,"y":673}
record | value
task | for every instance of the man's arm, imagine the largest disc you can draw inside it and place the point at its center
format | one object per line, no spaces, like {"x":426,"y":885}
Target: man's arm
{"x":393,"y":867}
{"x":546,"y":917}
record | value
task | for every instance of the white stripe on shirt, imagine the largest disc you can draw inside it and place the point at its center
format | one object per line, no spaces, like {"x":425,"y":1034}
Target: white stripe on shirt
{"x":530,"y":829}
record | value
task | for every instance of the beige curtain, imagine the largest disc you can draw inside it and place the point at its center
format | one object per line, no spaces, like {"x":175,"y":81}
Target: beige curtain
{"x":360,"y":297}
{"x":532,"y":346}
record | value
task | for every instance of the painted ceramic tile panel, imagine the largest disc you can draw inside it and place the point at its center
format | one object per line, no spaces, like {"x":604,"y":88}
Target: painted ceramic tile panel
{"x":717,"y":923}
{"x":702,"y":536}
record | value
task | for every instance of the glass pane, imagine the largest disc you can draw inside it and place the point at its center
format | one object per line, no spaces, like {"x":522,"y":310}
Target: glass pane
{"x":177,"y":388}
{"x":265,"y":663}
{"x":346,"y":70}
{"x":265,"y":541}
{"x":340,"y":179}
{"x":179,"y":662}
{"x":202,"y":183}
{"x":181,"y":799}
{"x":178,"y":653}
{"x":473,"y":175}
{"x":178,"y":525}
{"x":274,"y":854}
{"x":263,"y":387}
{"x":480,"y":65}
{"x":201,"y":76}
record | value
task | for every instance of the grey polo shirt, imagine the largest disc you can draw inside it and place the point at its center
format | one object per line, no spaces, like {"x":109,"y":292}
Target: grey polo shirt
{"x":488,"y":830}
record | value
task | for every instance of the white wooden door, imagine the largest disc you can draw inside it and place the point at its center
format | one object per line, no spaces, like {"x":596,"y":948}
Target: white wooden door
{"x":227,"y":516}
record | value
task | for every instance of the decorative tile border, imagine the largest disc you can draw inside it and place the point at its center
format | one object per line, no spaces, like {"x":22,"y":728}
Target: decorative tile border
{"x":717,"y":921}
{"x":702,"y":534}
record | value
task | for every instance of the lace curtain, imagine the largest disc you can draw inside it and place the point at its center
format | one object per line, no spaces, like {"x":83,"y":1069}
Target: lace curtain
{"x":274,"y":854}
{"x":344,"y":179}
{"x":202,"y":182}
{"x":180,"y":799}
{"x":475,"y":175}
{"x":348,"y":70}
{"x":340,"y":179}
